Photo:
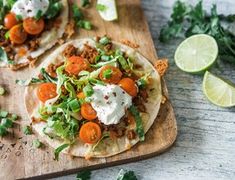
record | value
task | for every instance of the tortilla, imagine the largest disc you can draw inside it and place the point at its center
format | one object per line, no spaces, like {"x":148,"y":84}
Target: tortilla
{"x":107,"y":147}
{"x":46,"y":40}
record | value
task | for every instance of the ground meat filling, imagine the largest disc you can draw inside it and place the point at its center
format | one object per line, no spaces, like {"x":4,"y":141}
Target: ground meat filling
{"x":69,"y":51}
{"x":89,"y":53}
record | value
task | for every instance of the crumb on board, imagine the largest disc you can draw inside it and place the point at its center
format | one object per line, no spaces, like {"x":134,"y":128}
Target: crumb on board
{"x":130,"y":44}
{"x":161,"y":66}
{"x":163,"y":100}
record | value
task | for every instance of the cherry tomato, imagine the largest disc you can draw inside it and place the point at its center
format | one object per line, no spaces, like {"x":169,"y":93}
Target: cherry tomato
{"x":46,"y":91}
{"x":17,"y":34}
{"x":114,"y":76}
{"x":90,"y":132}
{"x":129,"y":86}
{"x":33,"y":26}
{"x":75,"y":64}
{"x":88,"y":112}
{"x":10,"y":20}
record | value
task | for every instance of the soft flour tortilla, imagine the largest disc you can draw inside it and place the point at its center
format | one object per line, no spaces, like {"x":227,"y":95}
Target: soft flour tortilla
{"x":47,"y":39}
{"x":107,"y":147}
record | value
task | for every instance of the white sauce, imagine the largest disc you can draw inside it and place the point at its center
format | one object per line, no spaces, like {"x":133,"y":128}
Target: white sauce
{"x":110,"y":103}
{"x":29,"y":8}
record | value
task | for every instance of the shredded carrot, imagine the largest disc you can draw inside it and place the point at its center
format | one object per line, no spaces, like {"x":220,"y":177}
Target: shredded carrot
{"x":161,"y":66}
{"x":130,"y":44}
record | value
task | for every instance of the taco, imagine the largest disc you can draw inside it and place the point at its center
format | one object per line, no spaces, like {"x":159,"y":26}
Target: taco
{"x":93,"y":98}
{"x":29,"y":28}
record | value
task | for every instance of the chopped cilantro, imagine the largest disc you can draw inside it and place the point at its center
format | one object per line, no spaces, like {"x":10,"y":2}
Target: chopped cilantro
{"x":104,"y":40}
{"x":126,"y":175}
{"x":19,"y":17}
{"x":3,"y":114}
{"x":3,"y":55}
{"x":27,"y":130}
{"x":7,"y":123}
{"x":37,"y":143}
{"x":84,"y":175}
{"x":84,"y":24}
{"x":85,"y":3}
{"x":53,"y":9}
{"x":38,"y":15}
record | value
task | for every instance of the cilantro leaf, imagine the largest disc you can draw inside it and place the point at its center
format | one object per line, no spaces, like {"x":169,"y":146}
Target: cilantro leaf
{"x":58,"y":151}
{"x":104,"y":40}
{"x":37,"y":143}
{"x":84,"y":175}
{"x":53,"y":9}
{"x":27,"y":130}
{"x":3,"y":55}
{"x":84,"y":24}
{"x":126,"y":175}
{"x":38,"y":15}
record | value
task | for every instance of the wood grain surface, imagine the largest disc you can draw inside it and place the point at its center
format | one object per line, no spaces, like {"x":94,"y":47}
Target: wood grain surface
{"x":18,"y":159}
{"x":204,"y":148}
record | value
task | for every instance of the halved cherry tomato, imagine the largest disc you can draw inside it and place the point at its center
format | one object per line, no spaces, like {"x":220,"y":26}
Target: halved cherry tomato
{"x":90,"y":132}
{"x":10,"y":20}
{"x":129,"y":86}
{"x":33,"y":26}
{"x":81,"y":95}
{"x":88,"y":112}
{"x":17,"y":34}
{"x":115,"y":77}
{"x":75,"y":64}
{"x":46,"y":91}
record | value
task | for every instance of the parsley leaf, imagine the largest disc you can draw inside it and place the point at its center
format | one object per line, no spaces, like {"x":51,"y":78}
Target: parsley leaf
{"x":58,"y":151}
{"x":101,"y":7}
{"x":84,"y":175}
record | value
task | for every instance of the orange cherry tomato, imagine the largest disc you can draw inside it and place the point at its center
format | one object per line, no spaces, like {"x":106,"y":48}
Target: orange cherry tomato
{"x":33,"y":26}
{"x":17,"y":34}
{"x":114,"y":77}
{"x":10,"y":20}
{"x":46,"y":91}
{"x":81,"y":95}
{"x":88,"y":112}
{"x":90,"y":132}
{"x":75,"y":64}
{"x":129,"y":86}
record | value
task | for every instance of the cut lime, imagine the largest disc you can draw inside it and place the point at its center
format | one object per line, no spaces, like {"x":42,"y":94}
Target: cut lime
{"x":218,"y":91}
{"x":196,"y":53}
{"x":107,"y":10}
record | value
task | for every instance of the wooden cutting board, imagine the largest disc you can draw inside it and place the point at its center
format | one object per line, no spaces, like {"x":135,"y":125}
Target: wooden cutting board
{"x":19,"y":159}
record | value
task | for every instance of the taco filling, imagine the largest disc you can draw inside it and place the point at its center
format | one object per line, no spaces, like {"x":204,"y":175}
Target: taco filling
{"x":28,"y":28}
{"x":96,"y":96}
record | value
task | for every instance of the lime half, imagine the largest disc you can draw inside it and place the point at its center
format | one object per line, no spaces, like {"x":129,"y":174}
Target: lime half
{"x":196,"y":53}
{"x":218,"y":91}
{"x":109,"y":11}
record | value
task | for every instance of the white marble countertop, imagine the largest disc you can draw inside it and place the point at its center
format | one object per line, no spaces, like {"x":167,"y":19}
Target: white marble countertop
{"x":205,"y":147}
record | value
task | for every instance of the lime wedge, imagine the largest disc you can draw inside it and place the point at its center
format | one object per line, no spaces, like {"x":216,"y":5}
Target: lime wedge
{"x":109,"y":10}
{"x":218,"y":91}
{"x":196,"y":53}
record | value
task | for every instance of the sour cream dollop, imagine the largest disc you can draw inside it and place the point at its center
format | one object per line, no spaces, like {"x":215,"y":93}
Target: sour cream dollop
{"x":110,"y":103}
{"x":29,"y":8}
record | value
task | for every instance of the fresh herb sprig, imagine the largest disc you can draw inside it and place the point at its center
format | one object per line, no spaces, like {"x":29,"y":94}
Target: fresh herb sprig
{"x":194,"y":20}
{"x":6,"y":120}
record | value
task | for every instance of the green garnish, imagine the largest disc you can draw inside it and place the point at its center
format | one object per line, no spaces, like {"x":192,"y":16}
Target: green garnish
{"x":19,"y":17}
{"x":7,"y":123}
{"x":139,"y":126}
{"x":53,"y":9}
{"x":104,"y":40}
{"x":85,"y":3}
{"x":27,"y":130}
{"x":105,"y":58}
{"x":37,"y":143}
{"x":38,"y":15}
{"x":200,"y":23}
{"x":47,"y":76}
{"x":84,"y":175}
{"x":7,"y":35}
{"x":58,"y":151}
{"x":101,"y":7}
{"x":3,"y":131}
{"x":74,"y":105}
{"x":79,"y":18}
{"x":3,"y":55}
{"x":2,"y":91}
{"x":14,"y":117}
{"x":88,"y":90}
{"x":84,"y":24}
{"x":3,"y":114}
{"x":107,"y":74}
{"x":30,"y":81}
{"x":126,"y":175}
